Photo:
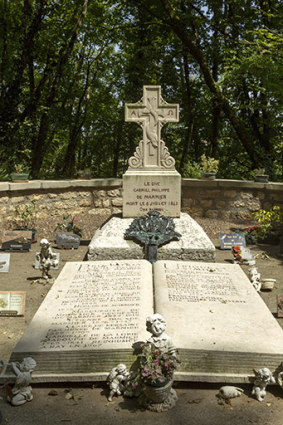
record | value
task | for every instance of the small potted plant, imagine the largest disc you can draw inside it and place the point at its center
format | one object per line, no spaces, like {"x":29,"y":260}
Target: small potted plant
{"x":20,"y":175}
{"x":209,"y":167}
{"x":260,"y":175}
{"x":84,"y":174}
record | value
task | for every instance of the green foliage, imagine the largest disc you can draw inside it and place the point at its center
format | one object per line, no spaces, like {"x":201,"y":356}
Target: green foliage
{"x":208,"y":164}
{"x":269,"y":221}
{"x":191,"y":170}
{"x":67,"y":69}
{"x":26,"y":215}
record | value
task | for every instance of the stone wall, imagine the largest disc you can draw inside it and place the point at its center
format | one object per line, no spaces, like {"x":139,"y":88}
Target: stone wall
{"x":229,"y":199}
{"x":225,"y":199}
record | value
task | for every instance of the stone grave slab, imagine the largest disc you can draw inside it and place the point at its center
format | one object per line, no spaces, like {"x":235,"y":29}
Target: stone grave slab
{"x":67,"y":240}
{"x":109,"y":243}
{"x":95,"y":311}
{"x":4,"y":263}
{"x":217,"y":320}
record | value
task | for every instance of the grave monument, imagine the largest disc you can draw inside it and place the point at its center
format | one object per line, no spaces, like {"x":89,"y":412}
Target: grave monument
{"x":151,"y":183}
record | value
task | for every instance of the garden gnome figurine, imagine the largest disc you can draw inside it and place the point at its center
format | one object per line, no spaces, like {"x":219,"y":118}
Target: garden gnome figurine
{"x":46,"y":258}
{"x":263,"y":378}
{"x":22,"y":391}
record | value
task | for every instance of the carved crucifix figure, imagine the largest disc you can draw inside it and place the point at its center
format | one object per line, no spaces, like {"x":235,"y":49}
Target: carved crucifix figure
{"x":151,"y":113}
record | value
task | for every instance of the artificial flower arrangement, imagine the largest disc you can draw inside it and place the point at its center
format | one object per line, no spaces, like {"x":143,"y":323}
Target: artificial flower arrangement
{"x":156,"y":366}
{"x":70,"y":227}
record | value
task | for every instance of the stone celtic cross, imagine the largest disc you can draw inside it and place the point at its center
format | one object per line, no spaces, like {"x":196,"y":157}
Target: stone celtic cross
{"x":151,"y":113}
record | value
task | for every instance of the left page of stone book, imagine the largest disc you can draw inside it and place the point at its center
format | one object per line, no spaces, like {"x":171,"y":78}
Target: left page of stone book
{"x":89,"y":320}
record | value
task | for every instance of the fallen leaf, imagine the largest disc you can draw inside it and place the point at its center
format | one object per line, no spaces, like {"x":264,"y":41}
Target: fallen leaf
{"x":210,"y":311}
{"x":11,"y":336}
{"x":67,"y":390}
{"x":228,"y":401}
{"x":68,"y":396}
{"x":43,"y":295}
{"x":196,"y":401}
{"x":269,"y":404}
{"x":52,"y":392}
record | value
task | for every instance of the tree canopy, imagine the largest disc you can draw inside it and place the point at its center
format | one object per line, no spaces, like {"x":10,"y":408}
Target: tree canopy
{"x":68,"y":67}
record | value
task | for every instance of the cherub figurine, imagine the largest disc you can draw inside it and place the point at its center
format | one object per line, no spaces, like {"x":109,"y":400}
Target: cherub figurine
{"x":46,"y":258}
{"x":156,"y":325}
{"x":115,"y":380}
{"x":22,"y":392}
{"x":263,"y":378}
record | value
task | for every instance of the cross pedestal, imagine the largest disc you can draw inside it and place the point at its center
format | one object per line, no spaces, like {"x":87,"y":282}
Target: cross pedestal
{"x":151,"y":182}
{"x":151,"y":113}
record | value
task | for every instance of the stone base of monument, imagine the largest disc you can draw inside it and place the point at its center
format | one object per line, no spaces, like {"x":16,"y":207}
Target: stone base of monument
{"x":144,"y":191}
{"x":108,"y":242}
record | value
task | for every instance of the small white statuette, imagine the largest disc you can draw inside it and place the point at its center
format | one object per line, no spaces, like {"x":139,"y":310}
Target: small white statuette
{"x":255,"y":278}
{"x":46,"y":258}
{"x":116,"y":380}
{"x":263,"y":378}
{"x":22,"y":391}
{"x":156,"y":325}
{"x":230,"y":392}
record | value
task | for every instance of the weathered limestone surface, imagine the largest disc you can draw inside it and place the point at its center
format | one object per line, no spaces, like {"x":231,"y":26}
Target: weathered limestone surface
{"x":217,"y":320}
{"x":151,"y":190}
{"x":151,"y":182}
{"x":109,"y":243}
{"x":88,"y":321}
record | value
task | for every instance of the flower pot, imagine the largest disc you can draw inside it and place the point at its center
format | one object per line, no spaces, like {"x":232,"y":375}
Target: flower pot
{"x":19,"y":177}
{"x":268,"y":283}
{"x":84,"y":175}
{"x":261,"y":178}
{"x":158,"y":394}
{"x":208,"y":175}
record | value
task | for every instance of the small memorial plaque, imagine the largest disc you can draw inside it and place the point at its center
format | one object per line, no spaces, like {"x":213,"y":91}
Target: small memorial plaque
{"x":67,"y":240}
{"x":4,"y":263}
{"x":228,"y":240}
{"x":16,"y":240}
{"x":36,"y":265}
{"x":12,"y":303}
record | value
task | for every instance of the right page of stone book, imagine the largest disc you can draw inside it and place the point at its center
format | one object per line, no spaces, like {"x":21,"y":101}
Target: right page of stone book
{"x":216,"y":318}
